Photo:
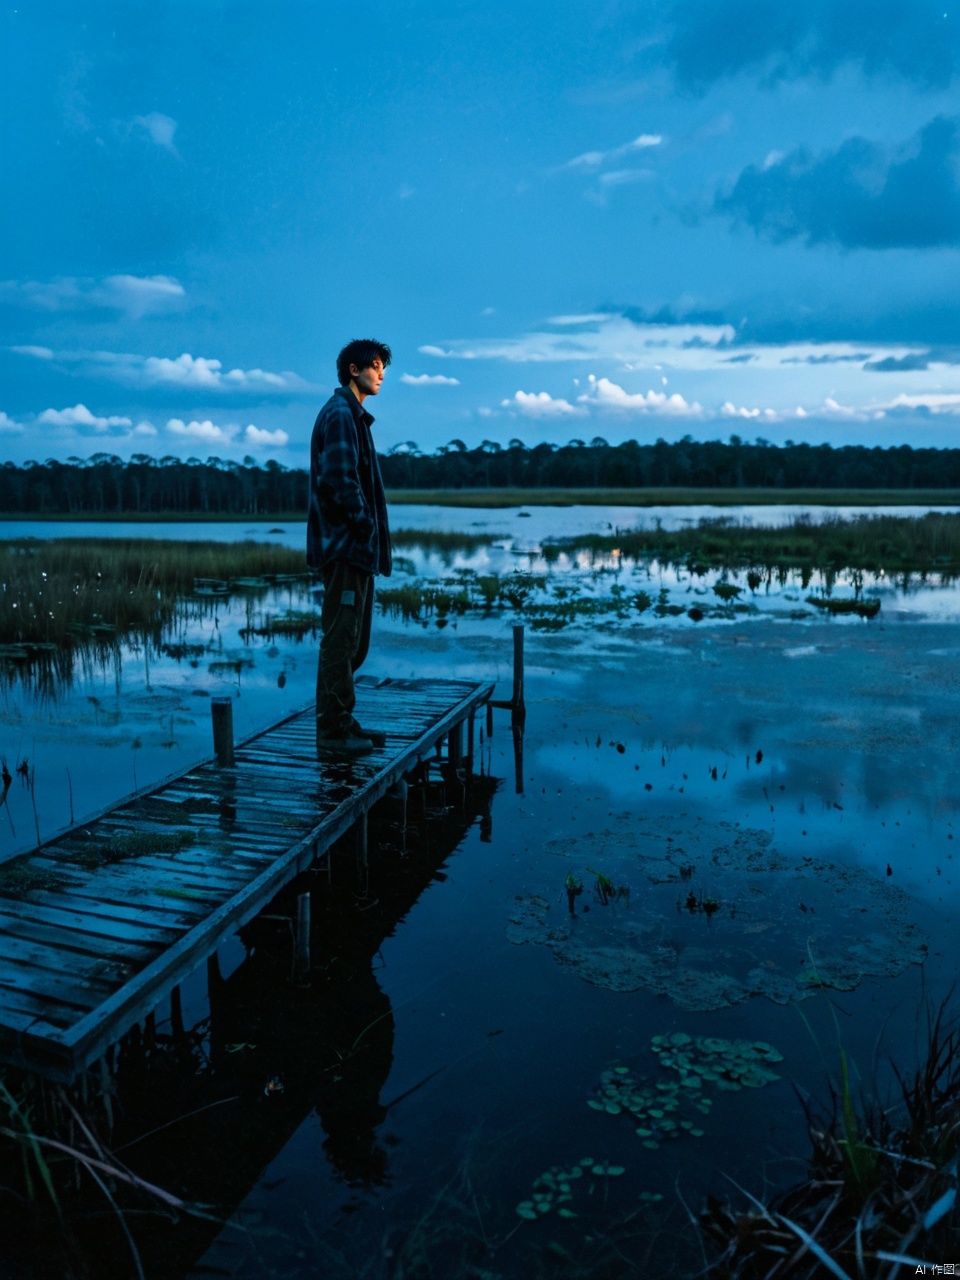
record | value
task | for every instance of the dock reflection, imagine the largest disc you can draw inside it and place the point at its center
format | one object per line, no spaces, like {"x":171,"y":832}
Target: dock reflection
{"x":206,"y":1110}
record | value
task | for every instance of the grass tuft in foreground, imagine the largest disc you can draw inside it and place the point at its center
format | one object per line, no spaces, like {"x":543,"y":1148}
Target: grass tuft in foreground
{"x":882,"y":1184}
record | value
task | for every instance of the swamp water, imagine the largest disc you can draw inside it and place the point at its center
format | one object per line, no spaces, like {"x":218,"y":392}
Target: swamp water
{"x":527,"y":1091}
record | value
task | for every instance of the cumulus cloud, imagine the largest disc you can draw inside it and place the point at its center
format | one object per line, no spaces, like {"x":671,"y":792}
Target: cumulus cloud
{"x":781,"y":38}
{"x":199,"y":371}
{"x":159,"y":128}
{"x":250,"y":437}
{"x":8,"y":425}
{"x":80,"y":416}
{"x":540,"y":404}
{"x":135,"y":295}
{"x":730,"y":410}
{"x":259,"y":438}
{"x":205,"y":431}
{"x":832,"y":408}
{"x":605,"y":394}
{"x":860,"y":195}
{"x":428,"y":380}
{"x":184,"y":371}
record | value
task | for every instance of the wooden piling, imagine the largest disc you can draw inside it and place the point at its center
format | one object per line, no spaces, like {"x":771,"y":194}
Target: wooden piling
{"x":176,"y":1013}
{"x":518,"y":755}
{"x":517,"y":664}
{"x":301,"y":952}
{"x":455,"y":747}
{"x":361,"y":835}
{"x":221,"y":709}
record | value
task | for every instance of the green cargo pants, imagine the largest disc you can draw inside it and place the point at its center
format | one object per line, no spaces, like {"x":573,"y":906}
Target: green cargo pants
{"x":345,"y":619}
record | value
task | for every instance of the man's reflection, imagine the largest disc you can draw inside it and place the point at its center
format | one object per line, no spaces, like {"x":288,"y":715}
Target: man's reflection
{"x":329,"y":1046}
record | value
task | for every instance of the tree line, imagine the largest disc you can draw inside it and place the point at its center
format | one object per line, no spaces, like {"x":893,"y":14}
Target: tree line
{"x":148,"y":486}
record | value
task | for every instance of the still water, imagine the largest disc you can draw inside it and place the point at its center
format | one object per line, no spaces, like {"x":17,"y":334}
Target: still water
{"x":460,"y":1037}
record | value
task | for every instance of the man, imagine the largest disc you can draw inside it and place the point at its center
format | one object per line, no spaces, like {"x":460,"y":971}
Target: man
{"x":348,"y":540}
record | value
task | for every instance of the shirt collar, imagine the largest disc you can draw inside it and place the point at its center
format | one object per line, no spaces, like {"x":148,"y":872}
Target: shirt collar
{"x":356,"y":408}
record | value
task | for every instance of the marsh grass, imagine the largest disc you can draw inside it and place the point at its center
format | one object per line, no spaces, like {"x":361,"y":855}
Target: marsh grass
{"x":50,"y":1138}
{"x":70,"y":591}
{"x":881,"y":544}
{"x":881,"y":1187}
{"x":544,"y":605}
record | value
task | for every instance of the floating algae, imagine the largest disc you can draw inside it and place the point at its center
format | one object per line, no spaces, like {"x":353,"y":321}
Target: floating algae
{"x":775,"y":913}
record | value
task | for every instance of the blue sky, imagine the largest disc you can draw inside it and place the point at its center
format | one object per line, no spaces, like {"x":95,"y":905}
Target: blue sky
{"x":625,"y":220}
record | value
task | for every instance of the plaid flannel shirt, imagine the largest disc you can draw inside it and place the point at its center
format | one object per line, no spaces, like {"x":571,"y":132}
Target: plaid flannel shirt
{"x":347,"y":519}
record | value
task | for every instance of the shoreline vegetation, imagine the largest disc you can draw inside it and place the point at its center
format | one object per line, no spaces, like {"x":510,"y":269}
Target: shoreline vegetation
{"x":60,"y":596}
{"x":504,"y":498}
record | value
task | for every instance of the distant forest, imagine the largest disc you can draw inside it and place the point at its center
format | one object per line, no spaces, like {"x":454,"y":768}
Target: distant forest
{"x":106,"y":485}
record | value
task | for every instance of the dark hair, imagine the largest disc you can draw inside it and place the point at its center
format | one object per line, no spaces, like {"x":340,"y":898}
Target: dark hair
{"x":362,"y":352}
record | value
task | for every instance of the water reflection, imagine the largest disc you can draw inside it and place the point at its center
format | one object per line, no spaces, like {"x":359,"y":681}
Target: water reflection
{"x":269,"y":1065}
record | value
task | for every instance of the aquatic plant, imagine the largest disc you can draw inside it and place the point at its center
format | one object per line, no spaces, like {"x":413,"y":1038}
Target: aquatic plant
{"x":606,"y":890}
{"x":704,"y":904}
{"x":555,"y":1188}
{"x":832,"y":605}
{"x":662,"y":1110}
{"x":574,"y":887}
{"x":728,"y":1064}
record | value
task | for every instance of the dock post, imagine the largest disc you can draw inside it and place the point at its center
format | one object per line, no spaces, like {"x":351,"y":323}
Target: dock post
{"x":301,"y":954}
{"x":400,"y":792}
{"x":471,"y":728}
{"x":451,"y":770}
{"x":176,"y":1014}
{"x":221,"y":710}
{"x":518,"y":755}
{"x":517,"y":703}
{"x":489,"y":720}
{"x":361,"y":830}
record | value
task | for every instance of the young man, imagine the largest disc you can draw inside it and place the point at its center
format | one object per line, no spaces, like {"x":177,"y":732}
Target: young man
{"x":348,"y":540}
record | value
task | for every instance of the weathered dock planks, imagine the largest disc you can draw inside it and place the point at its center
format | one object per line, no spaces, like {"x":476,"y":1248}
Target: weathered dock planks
{"x":98,"y":924}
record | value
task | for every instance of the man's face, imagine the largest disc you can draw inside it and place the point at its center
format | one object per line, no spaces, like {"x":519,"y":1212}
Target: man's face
{"x":369,"y":380}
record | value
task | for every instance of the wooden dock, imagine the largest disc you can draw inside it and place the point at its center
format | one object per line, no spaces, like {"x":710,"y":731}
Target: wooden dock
{"x":100,"y":923}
